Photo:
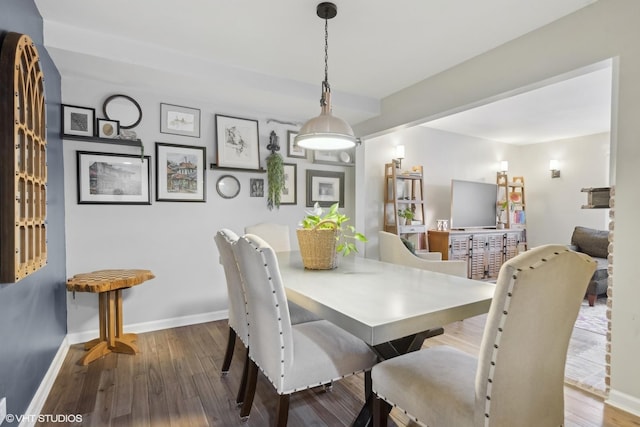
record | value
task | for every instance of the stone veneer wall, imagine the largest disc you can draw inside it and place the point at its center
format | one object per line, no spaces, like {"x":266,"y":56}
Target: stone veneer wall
{"x":607,"y":364}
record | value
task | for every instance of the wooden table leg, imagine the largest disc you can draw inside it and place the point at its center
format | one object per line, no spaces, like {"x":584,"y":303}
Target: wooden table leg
{"x":111,"y":318}
{"x":123,"y":343}
{"x":102,"y":322}
{"x":111,"y":339}
{"x":119,"y":334}
{"x":98,"y":347}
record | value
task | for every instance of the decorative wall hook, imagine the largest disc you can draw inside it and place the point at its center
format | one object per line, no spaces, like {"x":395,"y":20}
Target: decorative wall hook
{"x":273,"y":142}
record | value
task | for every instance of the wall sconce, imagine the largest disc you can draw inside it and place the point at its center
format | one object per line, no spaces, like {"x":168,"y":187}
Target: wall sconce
{"x":554,"y":168}
{"x":399,"y":156}
{"x":504,"y":166}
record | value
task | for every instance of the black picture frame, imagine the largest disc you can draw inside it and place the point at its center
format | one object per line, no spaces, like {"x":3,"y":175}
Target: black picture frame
{"x":127,"y":178}
{"x":238,"y":143}
{"x":78,"y":121}
{"x":325,"y":187}
{"x":289,"y":195}
{"x":108,"y":129}
{"x":256,"y":187}
{"x":338,"y":158}
{"x":180,"y":173}
{"x":293,"y":150}
{"x":179,"y":120}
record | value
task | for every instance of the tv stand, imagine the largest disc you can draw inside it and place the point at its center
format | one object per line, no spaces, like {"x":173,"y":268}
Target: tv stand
{"x":484,"y":250}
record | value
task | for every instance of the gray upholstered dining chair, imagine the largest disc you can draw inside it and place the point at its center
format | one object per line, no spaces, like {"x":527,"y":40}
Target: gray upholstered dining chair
{"x":518,"y":378}
{"x":225,"y":239}
{"x":276,"y":235}
{"x":292,"y":357}
{"x":394,"y":251}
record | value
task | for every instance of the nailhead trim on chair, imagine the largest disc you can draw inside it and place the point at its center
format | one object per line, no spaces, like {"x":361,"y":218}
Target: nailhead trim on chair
{"x":496,"y":344}
{"x":496,"y":347}
{"x":278,"y":388}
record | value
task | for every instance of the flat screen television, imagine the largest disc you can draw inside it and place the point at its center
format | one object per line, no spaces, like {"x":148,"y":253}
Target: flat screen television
{"x":473,"y":204}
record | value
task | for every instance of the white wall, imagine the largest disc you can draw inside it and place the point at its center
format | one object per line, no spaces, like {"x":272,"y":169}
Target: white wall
{"x":443,"y":156}
{"x":554,"y":206}
{"x":172,"y":239}
{"x":602,"y":30}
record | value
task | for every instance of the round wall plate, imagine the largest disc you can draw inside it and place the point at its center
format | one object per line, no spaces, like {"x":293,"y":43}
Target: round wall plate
{"x":228,"y":186}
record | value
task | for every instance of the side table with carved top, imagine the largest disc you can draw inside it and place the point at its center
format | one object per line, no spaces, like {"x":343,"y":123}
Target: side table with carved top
{"x":108,"y":284}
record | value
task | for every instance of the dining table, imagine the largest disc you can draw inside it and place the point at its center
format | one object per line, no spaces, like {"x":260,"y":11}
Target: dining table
{"x":392,"y":308}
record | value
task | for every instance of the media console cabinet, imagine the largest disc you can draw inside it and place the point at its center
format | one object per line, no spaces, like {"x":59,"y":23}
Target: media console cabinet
{"x":484,"y":250}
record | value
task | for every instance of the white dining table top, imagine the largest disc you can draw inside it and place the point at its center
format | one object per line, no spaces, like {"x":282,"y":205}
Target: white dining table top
{"x":380,"y":302}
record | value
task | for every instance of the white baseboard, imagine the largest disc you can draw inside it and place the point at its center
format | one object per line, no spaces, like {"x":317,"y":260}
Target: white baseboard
{"x":39,"y":399}
{"x":625,"y":402}
{"x":155,"y":325}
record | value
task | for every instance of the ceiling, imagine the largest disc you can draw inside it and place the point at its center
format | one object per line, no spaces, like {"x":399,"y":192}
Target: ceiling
{"x":268,"y":57}
{"x":570,"y":108}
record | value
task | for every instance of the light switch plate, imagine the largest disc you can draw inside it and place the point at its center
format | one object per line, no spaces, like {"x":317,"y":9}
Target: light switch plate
{"x":3,"y":409}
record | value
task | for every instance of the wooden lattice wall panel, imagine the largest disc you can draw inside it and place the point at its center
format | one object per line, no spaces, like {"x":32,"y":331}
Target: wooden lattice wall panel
{"x":23,"y":160}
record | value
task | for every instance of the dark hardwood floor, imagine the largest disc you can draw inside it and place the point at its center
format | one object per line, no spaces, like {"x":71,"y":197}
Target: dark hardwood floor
{"x":175,"y":381}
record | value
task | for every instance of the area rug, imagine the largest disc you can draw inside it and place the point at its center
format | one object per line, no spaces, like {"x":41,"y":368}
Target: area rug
{"x":593,"y":319}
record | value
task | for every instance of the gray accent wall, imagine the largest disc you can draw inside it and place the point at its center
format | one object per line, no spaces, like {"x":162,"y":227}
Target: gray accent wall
{"x":33,"y":313}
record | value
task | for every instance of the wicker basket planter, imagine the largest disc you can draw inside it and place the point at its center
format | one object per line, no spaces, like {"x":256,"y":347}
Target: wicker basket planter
{"x":318,"y":247}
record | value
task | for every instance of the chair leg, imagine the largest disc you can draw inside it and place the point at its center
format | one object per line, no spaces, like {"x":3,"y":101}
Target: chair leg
{"x":381,"y":410}
{"x":243,"y":381}
{"x":592,"y":299}
{"x":252,"y":380}
{"x":368,"y":385}
{"x":228,"y":355}
{"x":282,"y":413}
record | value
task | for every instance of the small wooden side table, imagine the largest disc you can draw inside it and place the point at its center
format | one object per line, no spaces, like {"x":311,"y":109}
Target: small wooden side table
{"x":108,"y":284}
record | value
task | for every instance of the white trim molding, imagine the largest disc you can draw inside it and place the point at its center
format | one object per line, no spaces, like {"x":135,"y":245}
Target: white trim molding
{"x":40,"y":397}
{"x":155,"y":325}
{"x":624,"y":402}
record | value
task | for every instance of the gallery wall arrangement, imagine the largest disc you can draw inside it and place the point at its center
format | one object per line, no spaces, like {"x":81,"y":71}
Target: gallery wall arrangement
{"x":180,"y":169}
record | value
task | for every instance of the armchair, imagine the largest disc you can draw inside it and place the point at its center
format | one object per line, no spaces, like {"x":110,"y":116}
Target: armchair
{"x":392,"y":250}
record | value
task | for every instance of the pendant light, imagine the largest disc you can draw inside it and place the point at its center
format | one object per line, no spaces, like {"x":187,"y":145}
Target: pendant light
{"x":326,"y":132}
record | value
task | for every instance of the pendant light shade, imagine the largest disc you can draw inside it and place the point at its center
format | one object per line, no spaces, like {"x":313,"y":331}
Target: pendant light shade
{"x":326,"y":132}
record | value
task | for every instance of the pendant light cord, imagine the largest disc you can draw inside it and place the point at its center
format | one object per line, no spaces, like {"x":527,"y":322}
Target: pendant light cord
{"x":326,"y":52}
{"x":325,"y":83}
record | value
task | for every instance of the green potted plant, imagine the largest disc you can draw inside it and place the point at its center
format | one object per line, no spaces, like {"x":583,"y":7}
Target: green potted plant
{"x":407,"y":214}
{"x":322,"y":236}
{"x":501,"y":206}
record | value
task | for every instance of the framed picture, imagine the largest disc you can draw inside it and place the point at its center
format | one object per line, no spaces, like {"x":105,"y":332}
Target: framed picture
{"x":78,"y":120}
{"x":325,"y":187}
{"x":179,"y":120}
{"x":293,"y":150}
{"x":108,"y":128}
{"x":180,"y":173}
{"x":342,"y":158}
{"x":289,"y":192}
{"x":256,"y":187}
{"x":107,"y":178}
{"x":238,"y":144}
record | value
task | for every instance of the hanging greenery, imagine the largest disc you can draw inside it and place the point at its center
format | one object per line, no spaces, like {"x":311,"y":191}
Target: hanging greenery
{"x":275,"y":177}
